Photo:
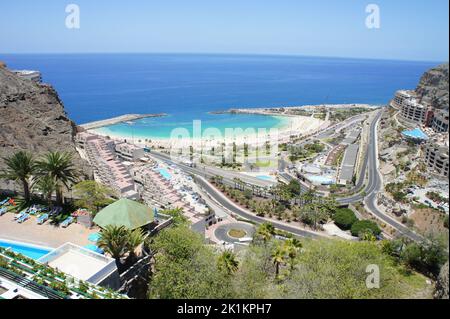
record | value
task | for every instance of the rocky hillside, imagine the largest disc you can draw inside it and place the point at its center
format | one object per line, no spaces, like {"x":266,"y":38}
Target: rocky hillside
{"x":433,"y":87}
{"x":32,"y":117}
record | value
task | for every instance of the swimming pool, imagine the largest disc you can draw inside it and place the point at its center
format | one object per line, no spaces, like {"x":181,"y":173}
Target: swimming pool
{"x":164,"y":173}
{"x":415,"y":134}
{"x":32,"y":251}
{"x":322,"y":180}
{"x":266,"y":178}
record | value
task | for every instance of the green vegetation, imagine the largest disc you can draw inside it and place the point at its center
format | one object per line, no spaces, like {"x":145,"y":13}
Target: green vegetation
{"x":51,"y":279}
{"x":20,"y":167}
{"x":287,"y":202}
{"x":177,"y":215}
{"x":426,"y":257}
{"x":436,"y":197}
{"x":362,"y":227}
{"x":185,"y":267}
{"x":300,"y":153}
{"x":237,"y":233}
{"x":228,"y":263}
{"x":397,"y":191}
{"x":119,"y":241}
{"x":50,"y":173}
{"x":59,"y":167}
{"x":343,"y":114}
{"x":344,"y":218}
{"x":92,"y":195}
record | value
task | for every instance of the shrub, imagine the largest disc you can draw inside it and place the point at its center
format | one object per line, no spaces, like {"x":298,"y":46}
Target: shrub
{"x":361,"y":226}
{"x":344,"y":218}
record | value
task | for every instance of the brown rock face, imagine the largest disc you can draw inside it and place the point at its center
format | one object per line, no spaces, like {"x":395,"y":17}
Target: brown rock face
{"x":32,"y":118}
{"x":433,"y":87}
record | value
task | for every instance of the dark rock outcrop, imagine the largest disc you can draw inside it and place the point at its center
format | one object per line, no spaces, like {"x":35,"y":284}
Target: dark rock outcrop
{"x":32,"y":118}
{"x":433,"y":87}
{"x":442,"y":283}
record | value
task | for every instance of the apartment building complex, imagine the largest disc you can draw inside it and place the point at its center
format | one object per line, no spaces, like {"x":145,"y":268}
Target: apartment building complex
{"x":436,"y":155}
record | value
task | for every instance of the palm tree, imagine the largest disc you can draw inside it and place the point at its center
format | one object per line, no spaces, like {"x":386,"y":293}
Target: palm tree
{"x":292,"y":247}
{"x":114,"y":241}
{"x":46,"y":185}
{"x":265,"y":232}
{"x":20,"y":167}
{"x":228,"y":262}
{"x":60,"y":167}
{"x":135,"y":239}
{"x":278,"y":258}
{"x":296,"y":212}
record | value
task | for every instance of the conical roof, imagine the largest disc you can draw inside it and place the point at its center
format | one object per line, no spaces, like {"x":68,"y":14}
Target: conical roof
{"x":126,"y":213}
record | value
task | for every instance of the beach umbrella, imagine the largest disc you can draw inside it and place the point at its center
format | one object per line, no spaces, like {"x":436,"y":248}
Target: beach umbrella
{"x":125,"y":212}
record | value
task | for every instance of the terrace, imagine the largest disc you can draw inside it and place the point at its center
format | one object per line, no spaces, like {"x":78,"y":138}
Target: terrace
{"x":37,"y":280}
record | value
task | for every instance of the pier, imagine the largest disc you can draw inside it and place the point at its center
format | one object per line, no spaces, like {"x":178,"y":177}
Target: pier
{"x":118,"y":119}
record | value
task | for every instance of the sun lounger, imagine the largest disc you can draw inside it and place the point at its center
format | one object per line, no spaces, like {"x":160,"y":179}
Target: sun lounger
{"x":67,"y":222}
{"x":23,"y":218}
{"x":3,"y":211}
{"x":3,"y":202}
{"x":18,"y":216}
{"x":42,"y":219}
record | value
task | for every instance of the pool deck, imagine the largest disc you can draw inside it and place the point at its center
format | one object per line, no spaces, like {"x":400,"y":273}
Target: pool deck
{"x":44,"y":235}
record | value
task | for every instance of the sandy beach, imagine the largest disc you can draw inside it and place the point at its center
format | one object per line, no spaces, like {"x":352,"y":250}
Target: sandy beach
{"x":294,"y":126}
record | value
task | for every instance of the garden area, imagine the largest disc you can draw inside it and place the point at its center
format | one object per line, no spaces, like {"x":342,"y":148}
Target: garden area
{"x":346,"y":220}
{"x":284,"y":202}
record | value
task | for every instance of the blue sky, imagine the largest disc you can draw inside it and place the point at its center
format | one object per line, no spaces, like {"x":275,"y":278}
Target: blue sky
{"x":410,"y":29}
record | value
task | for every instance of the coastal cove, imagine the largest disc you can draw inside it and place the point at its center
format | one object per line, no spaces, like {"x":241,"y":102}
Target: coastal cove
{"x":161,"y":128}
{"x":96,"y":87}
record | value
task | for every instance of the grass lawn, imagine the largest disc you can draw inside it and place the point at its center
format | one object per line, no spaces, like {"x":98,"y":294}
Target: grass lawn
{"x":237,"y":233}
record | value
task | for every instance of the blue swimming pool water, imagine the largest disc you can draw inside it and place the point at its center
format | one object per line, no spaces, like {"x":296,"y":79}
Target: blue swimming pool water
{"x":323,"y":180}
{"x":265,"y":178}
{"x":416,"y":133}
{"x":24,"y":249}
{"x":164,"y":173}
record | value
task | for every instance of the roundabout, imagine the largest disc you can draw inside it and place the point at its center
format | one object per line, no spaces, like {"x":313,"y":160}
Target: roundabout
{"x":232,"y":233}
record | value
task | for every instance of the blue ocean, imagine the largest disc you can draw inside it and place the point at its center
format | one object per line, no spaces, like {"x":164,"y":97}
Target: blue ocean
{"x":188,"y":86}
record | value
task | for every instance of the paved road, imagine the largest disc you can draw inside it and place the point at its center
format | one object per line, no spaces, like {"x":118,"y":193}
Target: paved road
{"x":369,"y":166}
{"x":225,"y":202}
{"x":221,"y":232}
{"x":374,"y":185}
{"x":208,"y":171}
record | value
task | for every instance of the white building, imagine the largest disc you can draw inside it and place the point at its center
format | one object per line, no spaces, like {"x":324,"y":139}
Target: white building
{"x":129,"y":152}
{"x":440,"y":121}
{"x":436,"y":155}
{"x":29,"y":75}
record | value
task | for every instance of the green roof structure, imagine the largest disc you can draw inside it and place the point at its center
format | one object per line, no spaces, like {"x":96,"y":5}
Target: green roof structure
{"x":126,"y":213}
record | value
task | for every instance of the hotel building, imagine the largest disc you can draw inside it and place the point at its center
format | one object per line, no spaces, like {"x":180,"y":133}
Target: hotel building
{"x":436,"y":155}
{"x":400,"y":97}
{"x":440,"y":121}
{"x":108,"y":168}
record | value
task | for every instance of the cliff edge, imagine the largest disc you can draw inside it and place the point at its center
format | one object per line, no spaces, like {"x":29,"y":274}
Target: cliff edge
{"x":32,"y":118}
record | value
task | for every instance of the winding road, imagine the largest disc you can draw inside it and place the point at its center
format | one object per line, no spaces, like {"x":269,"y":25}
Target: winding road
{"x":369,"y":196}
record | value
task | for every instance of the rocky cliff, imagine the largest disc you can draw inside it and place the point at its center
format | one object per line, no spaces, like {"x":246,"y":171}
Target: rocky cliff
{"x":433,"y":87}
{"x":32,"y":117}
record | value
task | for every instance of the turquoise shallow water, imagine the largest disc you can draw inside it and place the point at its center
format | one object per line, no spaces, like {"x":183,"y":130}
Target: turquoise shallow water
{"x":24,"y":249}
{"x":188,"y":86}
{"x":161,"y":128}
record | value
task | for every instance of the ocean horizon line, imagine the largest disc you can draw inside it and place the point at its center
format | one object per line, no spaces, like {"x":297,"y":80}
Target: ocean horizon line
{"x":236,"y":54}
